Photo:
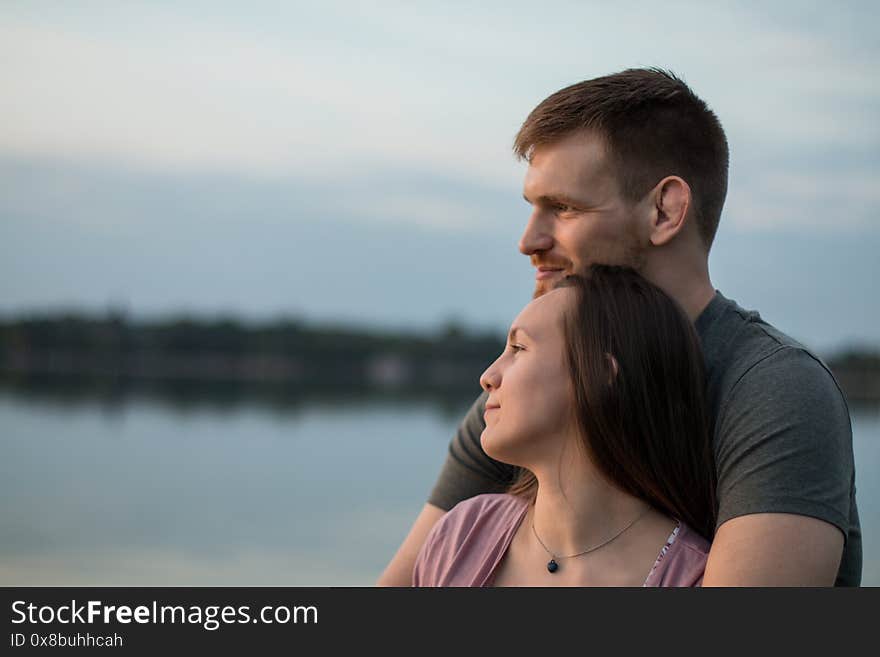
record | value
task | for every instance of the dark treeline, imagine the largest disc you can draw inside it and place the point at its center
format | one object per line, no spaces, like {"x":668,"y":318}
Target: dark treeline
{"x":858,"y":372}
{"x":204,"y":353}
{"x":285,"y":351}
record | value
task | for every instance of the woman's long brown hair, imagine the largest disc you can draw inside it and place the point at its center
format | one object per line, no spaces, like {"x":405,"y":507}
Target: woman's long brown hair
{"x":642,"y":416}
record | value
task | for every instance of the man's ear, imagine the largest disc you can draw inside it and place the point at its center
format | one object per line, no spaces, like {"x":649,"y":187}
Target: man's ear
{"x":672,"y":199}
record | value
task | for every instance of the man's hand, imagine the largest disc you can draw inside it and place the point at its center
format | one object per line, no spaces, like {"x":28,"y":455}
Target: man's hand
{"x":774,"y":549}
{"x":400,"y":571}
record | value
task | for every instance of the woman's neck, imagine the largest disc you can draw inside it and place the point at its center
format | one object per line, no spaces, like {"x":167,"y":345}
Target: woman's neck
{"x":575,"y":511}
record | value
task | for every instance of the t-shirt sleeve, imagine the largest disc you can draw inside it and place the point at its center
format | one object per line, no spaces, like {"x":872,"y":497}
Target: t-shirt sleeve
{"x":784,"y":442}
{"x":468,"y":470}
{"x":426,"y":571}
{"x":444,"y":542}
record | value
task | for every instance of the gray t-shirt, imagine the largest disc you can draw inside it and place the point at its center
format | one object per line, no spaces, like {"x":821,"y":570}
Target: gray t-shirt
{"x":781,"y":432}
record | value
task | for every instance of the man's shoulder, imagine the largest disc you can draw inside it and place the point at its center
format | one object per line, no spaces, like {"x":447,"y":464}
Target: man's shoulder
{"x":738,"y":337}
{"x":742,"y":348}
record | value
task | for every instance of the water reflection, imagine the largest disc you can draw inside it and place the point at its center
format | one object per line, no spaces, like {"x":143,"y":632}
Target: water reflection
{"x":239,"y":486}
{"x":226,"y":397}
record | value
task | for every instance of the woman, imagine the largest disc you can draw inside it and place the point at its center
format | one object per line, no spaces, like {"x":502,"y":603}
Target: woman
{"x":599,"y":397}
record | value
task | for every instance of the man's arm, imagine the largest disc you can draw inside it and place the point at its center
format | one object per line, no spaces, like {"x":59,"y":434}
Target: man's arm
{"x":468,"y":471}
{"x":774,"y":549}
{"x":784,"y":455}
{"x":400,"y":571}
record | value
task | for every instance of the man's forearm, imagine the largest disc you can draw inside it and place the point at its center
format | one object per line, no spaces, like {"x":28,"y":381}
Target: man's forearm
{"x":400,"y":570}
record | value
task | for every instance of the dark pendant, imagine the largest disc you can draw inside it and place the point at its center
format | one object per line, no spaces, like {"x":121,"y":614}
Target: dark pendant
{"x":552,"y":566}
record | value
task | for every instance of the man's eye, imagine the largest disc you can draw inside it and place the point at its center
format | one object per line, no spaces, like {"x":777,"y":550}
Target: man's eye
{"x":559,"y":207}
{"x":516,"y":347}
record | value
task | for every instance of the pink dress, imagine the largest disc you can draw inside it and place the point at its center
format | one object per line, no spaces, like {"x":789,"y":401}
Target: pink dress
{"x":465,"y":546}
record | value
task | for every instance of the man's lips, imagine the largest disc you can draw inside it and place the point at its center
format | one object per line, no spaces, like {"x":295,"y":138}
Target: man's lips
{"x":542,"y":272}
{"x":491,"y":407}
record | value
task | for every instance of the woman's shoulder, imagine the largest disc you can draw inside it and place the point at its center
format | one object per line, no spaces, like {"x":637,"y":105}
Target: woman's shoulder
{"x":480,"y":514}
{"x":463,"y":542}
{"x":488,"y":503}
{"x":692,"y":541}
{"x":682,"y":560}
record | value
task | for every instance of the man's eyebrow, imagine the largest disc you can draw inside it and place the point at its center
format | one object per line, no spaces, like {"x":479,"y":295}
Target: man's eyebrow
{"x":553,"y":199}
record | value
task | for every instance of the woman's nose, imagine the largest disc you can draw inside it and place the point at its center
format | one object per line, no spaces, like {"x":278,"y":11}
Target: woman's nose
{"x":491,"y":378}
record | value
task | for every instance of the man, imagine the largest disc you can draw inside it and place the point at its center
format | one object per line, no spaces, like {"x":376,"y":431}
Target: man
{"x":631,"y":168}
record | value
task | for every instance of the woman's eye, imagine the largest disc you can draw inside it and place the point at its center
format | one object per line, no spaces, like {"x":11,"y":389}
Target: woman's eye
{"x":516,"y":347}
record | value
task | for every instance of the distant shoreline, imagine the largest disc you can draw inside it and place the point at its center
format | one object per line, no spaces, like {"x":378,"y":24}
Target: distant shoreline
{"x":286,"y":353}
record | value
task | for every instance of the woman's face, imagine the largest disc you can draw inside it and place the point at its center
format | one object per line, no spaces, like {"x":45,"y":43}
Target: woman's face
{"x":529,"y":409}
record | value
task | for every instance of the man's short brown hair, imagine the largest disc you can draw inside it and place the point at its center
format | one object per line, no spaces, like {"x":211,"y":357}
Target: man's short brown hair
{"x":653,"y":126}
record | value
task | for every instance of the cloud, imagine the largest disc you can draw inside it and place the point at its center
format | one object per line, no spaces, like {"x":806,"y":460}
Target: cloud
{"x":219,"y":101}
{"x":818,"y":201}
{"x":334,"y":91}
{"x":212,"y":244}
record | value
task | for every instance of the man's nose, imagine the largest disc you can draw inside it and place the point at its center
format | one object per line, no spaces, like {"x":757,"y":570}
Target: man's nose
{"x":536,"y":237}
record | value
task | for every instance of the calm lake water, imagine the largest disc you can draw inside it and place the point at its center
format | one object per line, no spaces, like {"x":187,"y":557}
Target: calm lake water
{"x":145,"y":492}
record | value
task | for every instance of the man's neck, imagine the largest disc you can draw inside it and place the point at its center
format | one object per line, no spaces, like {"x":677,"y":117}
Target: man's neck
{"x":689,"y":286}
{"x":695,"y":300}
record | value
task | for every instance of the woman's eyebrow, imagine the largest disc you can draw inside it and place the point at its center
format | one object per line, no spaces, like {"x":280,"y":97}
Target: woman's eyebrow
{"x":515,"y":331}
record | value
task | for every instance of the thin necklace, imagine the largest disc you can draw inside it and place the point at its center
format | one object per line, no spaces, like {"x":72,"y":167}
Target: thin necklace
{"x":552,"y":566}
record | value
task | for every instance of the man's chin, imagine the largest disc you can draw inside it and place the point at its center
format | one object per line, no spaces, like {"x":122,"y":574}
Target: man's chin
{"x":546,"y":285}
{"x":633,"y":257}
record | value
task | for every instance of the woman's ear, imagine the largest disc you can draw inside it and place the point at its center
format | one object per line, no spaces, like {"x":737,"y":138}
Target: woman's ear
{"x":614,"y":369}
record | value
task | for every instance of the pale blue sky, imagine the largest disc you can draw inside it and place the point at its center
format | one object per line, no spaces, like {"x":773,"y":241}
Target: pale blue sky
{"x":352,"y":161}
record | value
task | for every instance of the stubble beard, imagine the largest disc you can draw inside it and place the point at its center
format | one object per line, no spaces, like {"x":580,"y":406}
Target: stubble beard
{"x":630,"y":254}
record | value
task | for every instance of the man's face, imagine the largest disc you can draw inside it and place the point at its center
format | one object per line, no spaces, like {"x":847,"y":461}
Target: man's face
{"x":578,"y":215}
